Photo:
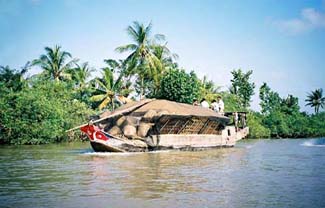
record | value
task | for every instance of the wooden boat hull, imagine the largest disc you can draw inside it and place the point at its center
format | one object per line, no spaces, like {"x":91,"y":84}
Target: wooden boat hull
{"x":119,"y":145}
{"x":102,"y":147}
{"x":170,"y":142}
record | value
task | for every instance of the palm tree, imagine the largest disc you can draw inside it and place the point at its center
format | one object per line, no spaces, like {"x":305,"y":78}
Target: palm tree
{"x":316,"y":100}
{"x":109,"y":89}
{"x":208,"y":89}
{"x":141,"y":61}
{"x":54,"y":63}
{"x":116,"y":65}
{"x":80,"y":74}
{"x":290,"y":104}
{"x":13,"y":79}
{"x":164,"y":55}
{"x":120,"y":67}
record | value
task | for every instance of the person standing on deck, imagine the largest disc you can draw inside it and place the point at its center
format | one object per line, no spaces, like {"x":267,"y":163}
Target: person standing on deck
{"x":235,"y":114}
{"x":221,"y":104}
{"x":214,"y":106}
{"x":243,"y":119}
{"x":204,"y":103}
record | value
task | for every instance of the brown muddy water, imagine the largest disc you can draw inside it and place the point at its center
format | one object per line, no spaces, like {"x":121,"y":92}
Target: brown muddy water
{"x":255,"y":173}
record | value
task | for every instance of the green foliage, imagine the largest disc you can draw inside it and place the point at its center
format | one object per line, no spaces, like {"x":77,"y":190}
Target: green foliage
{"x":242,"y":87}
{"x":316,"y":125}
{"x":40,"y":114}
{"x":13,"y":79}
{"x":179,"y":86}
{"x":282,"y":116}
{"x":256,"y":127}
{"x":82,"y":87}
{"x":270,"y":100}
{"x":290,"y":105}
{"x":232,"y":102}
{"x":164,"y":55}
{"x":294,"y":125}
{"x":208,"y":90}
{"x":277,"y":123}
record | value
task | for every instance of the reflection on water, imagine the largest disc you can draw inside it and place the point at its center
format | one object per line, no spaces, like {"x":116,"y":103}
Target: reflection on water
{"x":262,"y":173}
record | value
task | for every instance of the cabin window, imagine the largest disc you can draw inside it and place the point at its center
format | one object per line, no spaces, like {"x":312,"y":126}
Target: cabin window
{"x":229,"y":133}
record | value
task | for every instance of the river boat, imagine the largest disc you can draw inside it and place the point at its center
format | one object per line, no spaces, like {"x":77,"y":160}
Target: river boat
{"x":150,"y":125}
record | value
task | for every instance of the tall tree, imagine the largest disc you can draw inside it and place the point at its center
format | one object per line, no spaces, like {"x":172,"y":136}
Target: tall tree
{"x":164,"y":55}
{"x":109,"y":89}
{"x":290,"y":105}
{"x":316,"y":99}
{"x":12,"y":78}
{"x":242,"y":87}
{"x":80,"y":74}
{"x":119,"y":67}
{"x":208,"y":90}
{"x":141,"y":60}
{"x":80,"y":77}
{"x":55,"y":63}
{"x":270,"y":100}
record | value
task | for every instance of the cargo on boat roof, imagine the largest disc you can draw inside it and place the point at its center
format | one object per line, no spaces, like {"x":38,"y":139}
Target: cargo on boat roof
{"x":163,"y":107}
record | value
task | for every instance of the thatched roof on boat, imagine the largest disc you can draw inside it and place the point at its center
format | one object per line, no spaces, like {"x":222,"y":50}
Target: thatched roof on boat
{"x":173,"y":109}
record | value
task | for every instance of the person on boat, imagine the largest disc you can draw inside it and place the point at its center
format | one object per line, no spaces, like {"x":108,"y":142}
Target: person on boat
{"x":243,"y":119}
{"x":236,"y":118}
{"x":221,"y":104}
{"x":204,"y":103}
{"x":215,"y":106}
{"x":195,"y":102}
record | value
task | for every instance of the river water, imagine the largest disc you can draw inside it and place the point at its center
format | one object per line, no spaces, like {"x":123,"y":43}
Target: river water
{"x":255,"y":173}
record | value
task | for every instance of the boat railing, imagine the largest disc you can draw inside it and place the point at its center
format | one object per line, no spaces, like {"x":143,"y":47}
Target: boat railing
{"x":237,"y":118}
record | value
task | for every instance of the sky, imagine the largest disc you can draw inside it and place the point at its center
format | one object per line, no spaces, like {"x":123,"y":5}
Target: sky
{"x":283,"y":42}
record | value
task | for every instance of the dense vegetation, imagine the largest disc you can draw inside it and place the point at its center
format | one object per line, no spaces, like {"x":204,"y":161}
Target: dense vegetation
{"x":177,"y":85}
{"x":40,"y":108}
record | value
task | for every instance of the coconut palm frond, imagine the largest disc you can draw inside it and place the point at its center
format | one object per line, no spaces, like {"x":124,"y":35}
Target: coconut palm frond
{"x":129,"y":47}
{"x":97,"y":98}
{"x":315,"y":99}
{"x":54,"y":61}
{"x":105,"y":102}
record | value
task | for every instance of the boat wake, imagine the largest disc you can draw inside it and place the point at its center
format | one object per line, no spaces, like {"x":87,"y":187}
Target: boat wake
{"x":107,"y":154}
{"x":314,"y":143}
{"x":249,"y":146}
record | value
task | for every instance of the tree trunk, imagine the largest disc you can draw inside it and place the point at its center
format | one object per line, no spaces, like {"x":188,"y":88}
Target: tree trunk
{"x":112,"y":102}
{"x":141,"y":88}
